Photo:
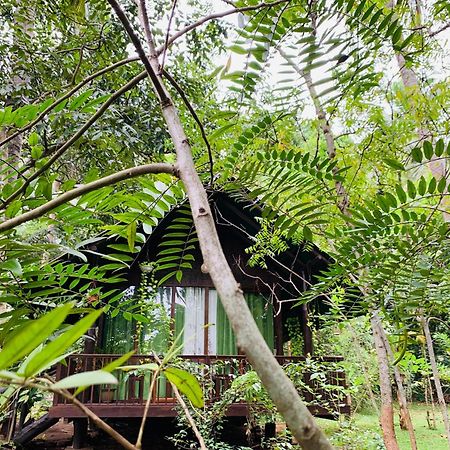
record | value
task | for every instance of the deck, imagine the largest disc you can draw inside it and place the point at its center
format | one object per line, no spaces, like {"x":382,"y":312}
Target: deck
{"x":324,"y":394}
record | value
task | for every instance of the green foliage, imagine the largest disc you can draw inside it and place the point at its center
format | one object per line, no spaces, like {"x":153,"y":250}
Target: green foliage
{"x":177,"y":246}
{"x":352,"y":437}
{"x":390,"y":242}
{"x":187,"y":384}
{"x":42,"y":348}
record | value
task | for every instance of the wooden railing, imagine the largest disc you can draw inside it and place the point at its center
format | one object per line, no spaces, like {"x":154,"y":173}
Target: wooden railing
{"x":220,"y":371}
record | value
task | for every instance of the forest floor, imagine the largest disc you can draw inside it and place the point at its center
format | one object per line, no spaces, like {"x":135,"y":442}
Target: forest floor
{"x":362,"y":433}
{"x":367,"y":423}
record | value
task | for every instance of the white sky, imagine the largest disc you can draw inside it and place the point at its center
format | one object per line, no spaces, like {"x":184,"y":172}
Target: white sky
{"x":440,"y":70}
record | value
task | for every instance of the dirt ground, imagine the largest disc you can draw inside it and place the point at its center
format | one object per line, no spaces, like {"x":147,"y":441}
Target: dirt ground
{"x":59,"y":436}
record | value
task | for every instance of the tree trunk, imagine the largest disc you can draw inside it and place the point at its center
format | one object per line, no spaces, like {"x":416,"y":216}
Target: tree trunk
{"x":436,"y":377}
{"x":387,"y":409}
{"x":403,"y":404}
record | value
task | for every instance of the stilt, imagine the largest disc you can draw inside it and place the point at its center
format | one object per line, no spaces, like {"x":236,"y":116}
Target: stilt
{"x":79,"y":433}
{"x":270,"y":430}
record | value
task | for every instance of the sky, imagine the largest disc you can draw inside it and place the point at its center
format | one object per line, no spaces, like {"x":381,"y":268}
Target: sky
{"x":439,"y":70}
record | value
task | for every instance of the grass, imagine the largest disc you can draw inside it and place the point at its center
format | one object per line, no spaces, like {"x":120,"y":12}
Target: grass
{"x":367,"y":424}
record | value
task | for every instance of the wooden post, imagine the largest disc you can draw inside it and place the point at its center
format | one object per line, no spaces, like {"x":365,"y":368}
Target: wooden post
{"x":79,"y":432}
{"x":307,"y":334}
{"x":270,"y":430}
{"x":90,"y":341}
{"x":278,"y":323}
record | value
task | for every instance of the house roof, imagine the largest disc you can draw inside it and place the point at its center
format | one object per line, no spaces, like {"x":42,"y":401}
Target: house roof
{"x":238,"y":221}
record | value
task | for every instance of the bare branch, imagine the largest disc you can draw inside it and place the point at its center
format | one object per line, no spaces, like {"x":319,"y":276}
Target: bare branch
{"x":219,"y":15}
{"x":77,"y":192}
{"x":439,"y":30}
{"x":165,"y":100}
{"x":143,"y":17}
{"x":166,"y":42}
{"x":147,"y":407}
{"x":191,"y":109}
{"x":189,"y":418}
{"x":96,"y":420}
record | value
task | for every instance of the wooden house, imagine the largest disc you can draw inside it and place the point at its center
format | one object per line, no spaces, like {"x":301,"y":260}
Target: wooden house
{"x":190,"y":306}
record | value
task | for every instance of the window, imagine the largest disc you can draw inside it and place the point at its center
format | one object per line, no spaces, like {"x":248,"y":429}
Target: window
{"x":193,"y":312}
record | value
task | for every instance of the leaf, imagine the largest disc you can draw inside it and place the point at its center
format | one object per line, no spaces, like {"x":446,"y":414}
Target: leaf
{"x":31,"y":335}
{"x":397,"y":165}
{"x":422,"y":187}
{"x":220,"y":131}
{"x":149,"y":366}
{"x":179,"y":275}
{"x":187,"y":384}
{"x":439,"y":148}
{"x":307,"y":234}
{"x":58,"y":346}
{"x":131,"y":235}
{"x":6,"y":374}
{"x":72,"y":251}
{"x":33,"y":139}
{"x":416,"y":154}
{"x":400,"y":193}
{"x":442,"y":185}
{"x":428,"y":149}
{"x":78,"y":101}
{"x":86,"y":379}
{"x":432,"y":185}
{"x":411,"y":189}
{"x":13,"y":266}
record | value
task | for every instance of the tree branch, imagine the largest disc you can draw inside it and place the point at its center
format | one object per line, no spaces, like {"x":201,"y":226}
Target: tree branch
{"x":191,"y":109}
{"x":77,"y":192}
{"x":189,"y":417}
{"x":166,"y":41}
{"x":440,"y":30}
{"x":164,"y":99}
{"x":87,"y":412}
{"x":97,"y":421}
{"x":219,"y":15}
{"x":147,"y":407}
{"x":143,"y":17}
{"x":76,"y":136}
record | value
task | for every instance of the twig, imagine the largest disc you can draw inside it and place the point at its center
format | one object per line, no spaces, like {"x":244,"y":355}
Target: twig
{"x":166,"y":42}
{"x":76,"y":136}
{"x":165,"y":101}
{"x":143,"y":16}
{"x":147,"y":407}
{"x":77,"y":192}
{"x":218,"y":16}
{"x":191,"y":109}
{"x":189,"y":417}
{"x":97,"y":421}
{"x":88,"y":413}
{"x":75,"y":72}
{"x":440,"y":30}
